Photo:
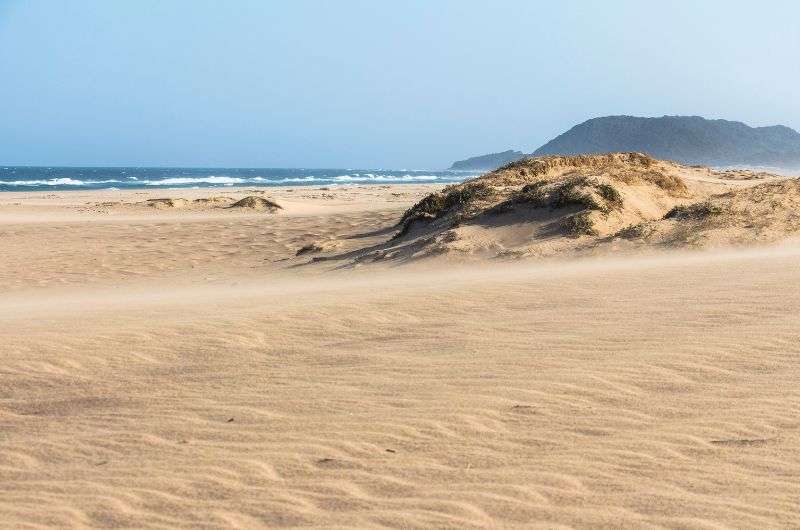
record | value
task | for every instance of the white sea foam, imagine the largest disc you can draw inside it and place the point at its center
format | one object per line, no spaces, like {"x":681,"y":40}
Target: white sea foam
{"x":368,"y":177}
{"x":63,"y":181}
{"x":178,"y":181}
{"x":250,"y":177}
{"x":285,"y":180}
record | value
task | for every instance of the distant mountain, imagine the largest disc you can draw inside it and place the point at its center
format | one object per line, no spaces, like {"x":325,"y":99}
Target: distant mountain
{"x":490,"y":161}
{"x":686,"y":139}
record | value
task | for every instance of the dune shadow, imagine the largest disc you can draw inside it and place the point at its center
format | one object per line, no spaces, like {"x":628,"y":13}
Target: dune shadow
{"x":373,"y":233}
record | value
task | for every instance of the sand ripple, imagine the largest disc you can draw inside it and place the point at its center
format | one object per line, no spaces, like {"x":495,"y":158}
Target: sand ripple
{"x":658,"y":393}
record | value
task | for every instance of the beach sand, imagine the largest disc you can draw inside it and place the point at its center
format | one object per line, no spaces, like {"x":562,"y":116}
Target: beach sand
{"x":180,"y":366}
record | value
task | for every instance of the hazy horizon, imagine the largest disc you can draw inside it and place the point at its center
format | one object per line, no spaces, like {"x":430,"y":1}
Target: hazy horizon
{"x":363,"y":85}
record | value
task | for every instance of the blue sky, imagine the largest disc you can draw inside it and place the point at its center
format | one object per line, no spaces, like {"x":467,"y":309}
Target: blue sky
{"x":410,"y":84}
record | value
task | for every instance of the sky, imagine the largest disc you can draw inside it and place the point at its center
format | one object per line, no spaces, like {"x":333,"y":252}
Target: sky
{"x":374,"y":83}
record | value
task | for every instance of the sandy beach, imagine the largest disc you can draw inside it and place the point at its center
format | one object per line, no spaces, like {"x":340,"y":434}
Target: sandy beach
{"x":172,"y":366}
{"x":399,"y":265}
{"x":105,"y":237}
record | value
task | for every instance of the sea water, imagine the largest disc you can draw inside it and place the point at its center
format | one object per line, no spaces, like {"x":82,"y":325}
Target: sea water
{"x":19,"y":178}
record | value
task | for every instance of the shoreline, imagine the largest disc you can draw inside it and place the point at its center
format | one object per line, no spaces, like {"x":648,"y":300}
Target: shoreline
{"x":60,"y":179}
{"x":100,"y":237}
{"x":81,"y":205}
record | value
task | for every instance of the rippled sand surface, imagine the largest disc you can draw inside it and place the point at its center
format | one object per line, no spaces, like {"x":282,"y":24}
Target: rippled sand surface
{"x":158,"y":372}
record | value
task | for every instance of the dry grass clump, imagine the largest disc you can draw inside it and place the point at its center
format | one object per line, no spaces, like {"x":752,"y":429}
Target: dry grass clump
{"x":701,"y":210}
{"x":525,"y":170}
{"x":316,"y":247}
{"x":672,"y":184}
{"x":253,"y":202}
{"x":611,"y":195}
{"x":586,"y":192}
{"x":534,"y":194}
{"x":167,"y":203}
{"x":436,"y":205}
{"x":310,"y":248}
{"x":213,"y":201}
{"x":669,"y":183}
{"x":543,"y":164}
{"x":580,"y":224}
{"x":629,"y":168}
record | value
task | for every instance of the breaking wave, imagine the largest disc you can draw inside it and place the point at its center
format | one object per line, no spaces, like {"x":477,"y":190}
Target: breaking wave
{"x":64,"y":181}
{"x":31,"y":178}
{"x":182,"y":181}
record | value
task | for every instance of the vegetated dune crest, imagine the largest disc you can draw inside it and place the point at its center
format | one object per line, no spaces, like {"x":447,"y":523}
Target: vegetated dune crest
{"x":251,"y":202}
{"x":547,"y":206}
{"x":256,"y":203}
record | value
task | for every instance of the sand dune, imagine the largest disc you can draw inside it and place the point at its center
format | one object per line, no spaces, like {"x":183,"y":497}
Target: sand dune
{"x":174,"y":368}
{"x":548,"y":206}
{"x":254,"y":202}
{"x":760,"y":214}
{"x":164,"y":203}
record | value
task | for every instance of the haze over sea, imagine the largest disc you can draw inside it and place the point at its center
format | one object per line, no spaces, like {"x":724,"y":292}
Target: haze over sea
{"x":18,"y":178}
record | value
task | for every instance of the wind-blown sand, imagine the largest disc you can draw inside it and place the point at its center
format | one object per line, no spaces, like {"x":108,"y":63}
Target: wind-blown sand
{"x":184,"y":367}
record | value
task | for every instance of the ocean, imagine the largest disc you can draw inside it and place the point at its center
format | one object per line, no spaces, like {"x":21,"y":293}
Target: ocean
{"x":19,"y":178}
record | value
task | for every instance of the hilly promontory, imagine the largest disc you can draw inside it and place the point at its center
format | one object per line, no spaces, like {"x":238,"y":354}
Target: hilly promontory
{"x":490,"y":161}
{"x":684,"y":139}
